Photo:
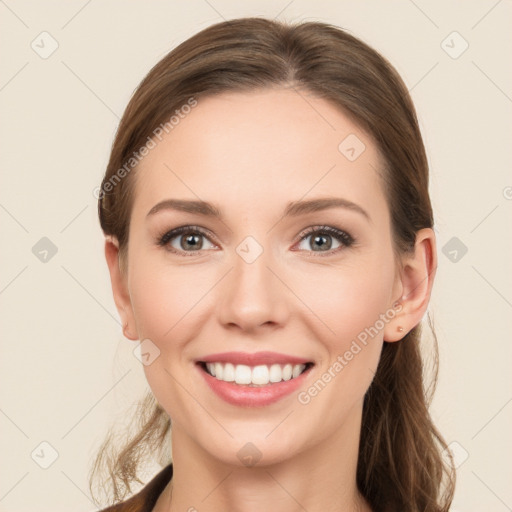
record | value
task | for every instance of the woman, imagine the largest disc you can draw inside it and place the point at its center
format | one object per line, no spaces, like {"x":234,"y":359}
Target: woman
{"x":269,"y":240}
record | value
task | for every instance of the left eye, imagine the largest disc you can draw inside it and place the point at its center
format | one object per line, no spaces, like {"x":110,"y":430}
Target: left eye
{"x":322,"y":238}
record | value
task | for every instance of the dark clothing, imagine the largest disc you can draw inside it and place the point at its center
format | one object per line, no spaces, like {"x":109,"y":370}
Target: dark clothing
{"x":146,"y":498}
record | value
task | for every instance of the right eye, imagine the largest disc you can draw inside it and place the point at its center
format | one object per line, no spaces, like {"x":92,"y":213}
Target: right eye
{"x":183,"y":240}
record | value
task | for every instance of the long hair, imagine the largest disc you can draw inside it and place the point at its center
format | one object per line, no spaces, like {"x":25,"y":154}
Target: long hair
{"x":400,"y":465}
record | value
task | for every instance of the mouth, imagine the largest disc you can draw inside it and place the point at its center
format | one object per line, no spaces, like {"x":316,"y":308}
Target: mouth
{"x":253,"y":379}
{"x":256,"y":376}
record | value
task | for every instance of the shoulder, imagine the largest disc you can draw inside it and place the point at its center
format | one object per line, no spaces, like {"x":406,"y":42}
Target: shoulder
{"x":145,"y":499}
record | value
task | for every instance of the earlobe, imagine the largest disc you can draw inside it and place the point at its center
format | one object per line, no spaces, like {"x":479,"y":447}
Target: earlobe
{"x":417,"y":279}
{"x":119,"y":288}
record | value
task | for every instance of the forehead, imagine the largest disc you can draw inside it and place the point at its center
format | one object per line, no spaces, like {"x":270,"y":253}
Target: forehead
{"x":261,"y":147}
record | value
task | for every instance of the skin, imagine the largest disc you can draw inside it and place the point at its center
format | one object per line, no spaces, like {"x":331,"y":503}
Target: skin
{"x":251,"y":154}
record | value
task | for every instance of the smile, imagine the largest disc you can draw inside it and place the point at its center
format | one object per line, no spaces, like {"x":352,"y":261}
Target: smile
{"x":252,"y":380}
{"x":261,"y":375}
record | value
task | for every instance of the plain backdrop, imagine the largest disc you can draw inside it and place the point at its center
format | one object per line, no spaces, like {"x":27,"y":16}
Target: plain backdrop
{"x":68,"y":69}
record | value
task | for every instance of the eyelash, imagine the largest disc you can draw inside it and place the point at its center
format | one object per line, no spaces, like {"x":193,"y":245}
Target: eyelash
{"x":343,"y":237}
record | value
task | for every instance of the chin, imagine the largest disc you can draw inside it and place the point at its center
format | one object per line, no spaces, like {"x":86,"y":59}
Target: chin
{"x":254,"y":447}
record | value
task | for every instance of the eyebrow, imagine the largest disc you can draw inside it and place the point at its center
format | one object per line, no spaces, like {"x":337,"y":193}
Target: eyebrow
{"x":293,"y":209}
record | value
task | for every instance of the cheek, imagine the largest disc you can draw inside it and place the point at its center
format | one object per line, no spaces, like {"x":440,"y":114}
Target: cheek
{"x":171,"y":305}
{"x":348,"y":299}
{"x":349,"y":362}
{"x":163,"y":298}
{"x":350,"y":307}
{"x":167,"y":307}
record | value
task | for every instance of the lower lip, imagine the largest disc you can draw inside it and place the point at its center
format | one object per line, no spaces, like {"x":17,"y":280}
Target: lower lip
{"x":247,"y":396}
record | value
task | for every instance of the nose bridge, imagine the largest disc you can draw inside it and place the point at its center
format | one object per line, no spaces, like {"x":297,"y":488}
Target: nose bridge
{"x":253,"y":295}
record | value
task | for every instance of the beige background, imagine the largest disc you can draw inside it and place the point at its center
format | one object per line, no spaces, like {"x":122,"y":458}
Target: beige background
{"x":66,"y":370}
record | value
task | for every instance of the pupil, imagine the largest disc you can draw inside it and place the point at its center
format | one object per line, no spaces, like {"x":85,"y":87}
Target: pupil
{"x":323,"y":238}
{"x":191,"y":241}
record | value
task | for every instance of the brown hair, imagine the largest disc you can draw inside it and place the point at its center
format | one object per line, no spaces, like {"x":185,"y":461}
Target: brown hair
{"x":400,"y":466}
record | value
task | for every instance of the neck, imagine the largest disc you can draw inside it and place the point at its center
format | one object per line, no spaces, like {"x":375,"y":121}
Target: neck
{"x":321,"y":478}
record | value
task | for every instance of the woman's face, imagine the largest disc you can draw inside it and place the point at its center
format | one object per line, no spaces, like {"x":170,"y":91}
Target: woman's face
{"x":264,"y":276}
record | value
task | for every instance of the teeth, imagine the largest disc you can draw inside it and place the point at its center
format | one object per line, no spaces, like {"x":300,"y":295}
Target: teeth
{"x":229,"y":373}
{"x":211,"y":369}
{"x":287,"y":372}
{"x":260,"y":375}
{"x":242,"y":374}
{"x":296,"y":371}
{"x":219,"y":371}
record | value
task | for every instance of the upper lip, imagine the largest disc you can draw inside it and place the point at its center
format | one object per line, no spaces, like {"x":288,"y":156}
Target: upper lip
{"x":254,"y":359}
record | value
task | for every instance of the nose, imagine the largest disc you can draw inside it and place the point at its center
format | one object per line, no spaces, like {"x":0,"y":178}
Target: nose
{"x":253,"y":295}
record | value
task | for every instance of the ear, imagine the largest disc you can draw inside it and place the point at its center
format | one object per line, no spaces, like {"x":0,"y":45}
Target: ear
{"x":417,"y":278}
{"x":120,"y":288}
